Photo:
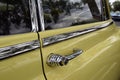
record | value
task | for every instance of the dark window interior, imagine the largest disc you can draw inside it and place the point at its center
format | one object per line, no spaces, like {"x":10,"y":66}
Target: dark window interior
{"x":14,"y":17}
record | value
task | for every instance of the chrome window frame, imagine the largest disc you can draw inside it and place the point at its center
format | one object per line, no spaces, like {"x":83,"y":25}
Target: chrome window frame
{"x":33,"y":15}
{"x":41,"y":14}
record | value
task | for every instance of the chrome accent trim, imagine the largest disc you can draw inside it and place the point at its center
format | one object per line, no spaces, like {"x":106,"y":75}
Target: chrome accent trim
{"x":65,"y":36}
{"x":41,"y":14}
{"x":18,"y":49}
{"x":59,"y":60}
{"x":33,"y":12}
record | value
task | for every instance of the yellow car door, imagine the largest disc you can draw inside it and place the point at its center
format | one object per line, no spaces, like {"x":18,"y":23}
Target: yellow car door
{"x":20,"y":57}
{"x":79,"y":42}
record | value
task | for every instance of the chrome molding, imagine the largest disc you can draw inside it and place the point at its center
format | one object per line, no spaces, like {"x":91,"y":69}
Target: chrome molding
{"x":65,"y":36}
{"x":18,"y":49}
{"x":41,"y":15}
{"x":33,"y":12}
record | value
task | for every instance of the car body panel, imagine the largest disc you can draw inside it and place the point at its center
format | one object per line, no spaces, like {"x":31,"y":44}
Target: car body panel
{"x":25,"y":66}
{"x":99,"y":60}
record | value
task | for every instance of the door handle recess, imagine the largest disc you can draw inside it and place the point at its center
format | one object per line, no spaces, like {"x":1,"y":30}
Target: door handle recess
{"x":59,"y":60}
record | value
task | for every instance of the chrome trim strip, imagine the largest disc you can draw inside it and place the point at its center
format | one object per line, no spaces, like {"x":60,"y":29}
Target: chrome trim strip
{"x":33,"y":12}
{"x":41,"y":14}
{"x":65,"y":36}
{"x":18,"y":49}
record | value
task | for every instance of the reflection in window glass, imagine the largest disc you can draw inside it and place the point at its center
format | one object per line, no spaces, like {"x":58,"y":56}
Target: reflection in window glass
{"x":14,"y":17}
{"x":65,"y":13}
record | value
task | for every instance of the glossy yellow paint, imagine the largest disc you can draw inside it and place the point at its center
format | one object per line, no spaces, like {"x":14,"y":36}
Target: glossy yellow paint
{"x":26,"y":66}
{"x":99,"y":60}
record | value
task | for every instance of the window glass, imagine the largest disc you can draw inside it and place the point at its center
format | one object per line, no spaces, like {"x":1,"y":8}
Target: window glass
{"x":65,"y":13}
{"x":14,"y":17}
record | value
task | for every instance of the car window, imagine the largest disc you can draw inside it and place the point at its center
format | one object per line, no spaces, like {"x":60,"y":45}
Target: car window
{"x":66,"y":13}
{"x":14,"y":17}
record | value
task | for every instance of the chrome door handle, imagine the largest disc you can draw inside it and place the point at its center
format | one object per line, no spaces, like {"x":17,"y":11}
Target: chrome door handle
{"x":59,"y":60}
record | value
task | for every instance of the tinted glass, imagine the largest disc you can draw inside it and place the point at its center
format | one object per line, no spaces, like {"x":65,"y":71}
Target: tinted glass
{"x":14,"y":17}
{"x":65,"y":13}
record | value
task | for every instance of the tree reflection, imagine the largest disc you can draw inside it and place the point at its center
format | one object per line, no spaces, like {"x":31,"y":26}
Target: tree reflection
{"x":14,"y":15}
{"x":64,"y":13}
